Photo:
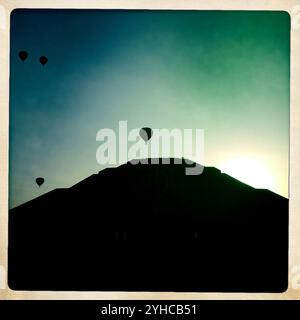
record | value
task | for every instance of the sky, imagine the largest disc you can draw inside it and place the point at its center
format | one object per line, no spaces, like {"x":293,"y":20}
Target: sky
{"x":226,"y":72}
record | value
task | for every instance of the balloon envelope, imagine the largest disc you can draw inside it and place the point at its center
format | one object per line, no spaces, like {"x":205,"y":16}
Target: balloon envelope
{"x":23,"y":55}
{"x":43,"y":60}
{"x":39,"y":181}
{"x":146,"y":133}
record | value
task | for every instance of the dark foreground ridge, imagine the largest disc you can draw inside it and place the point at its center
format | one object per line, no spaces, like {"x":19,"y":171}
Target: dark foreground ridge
{"x":151,"y":228}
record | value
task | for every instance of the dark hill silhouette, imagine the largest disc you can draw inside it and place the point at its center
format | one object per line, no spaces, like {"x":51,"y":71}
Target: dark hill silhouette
{"x":151,"y":228}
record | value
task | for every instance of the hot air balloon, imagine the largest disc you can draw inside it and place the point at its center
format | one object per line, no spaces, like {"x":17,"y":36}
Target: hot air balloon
{"x":43,"y":60}
{"x":23,"y":55}
{"x":39,"y":181}
{"x":146,"y":133}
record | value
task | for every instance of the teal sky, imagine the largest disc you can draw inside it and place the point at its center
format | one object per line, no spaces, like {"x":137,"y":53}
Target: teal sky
{"x":224,"y":72}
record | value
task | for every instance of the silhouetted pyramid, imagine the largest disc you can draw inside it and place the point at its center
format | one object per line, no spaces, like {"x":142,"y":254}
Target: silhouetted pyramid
{"x":151,"y":228}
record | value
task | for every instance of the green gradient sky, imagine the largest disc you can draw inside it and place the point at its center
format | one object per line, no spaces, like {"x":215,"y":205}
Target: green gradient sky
{"x":225,"y":72}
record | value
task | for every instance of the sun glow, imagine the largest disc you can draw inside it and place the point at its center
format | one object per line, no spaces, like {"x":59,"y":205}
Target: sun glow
{"x":251,"y":171}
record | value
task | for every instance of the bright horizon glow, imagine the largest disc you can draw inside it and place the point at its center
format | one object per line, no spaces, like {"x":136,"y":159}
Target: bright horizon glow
{"x":252,"y":171}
